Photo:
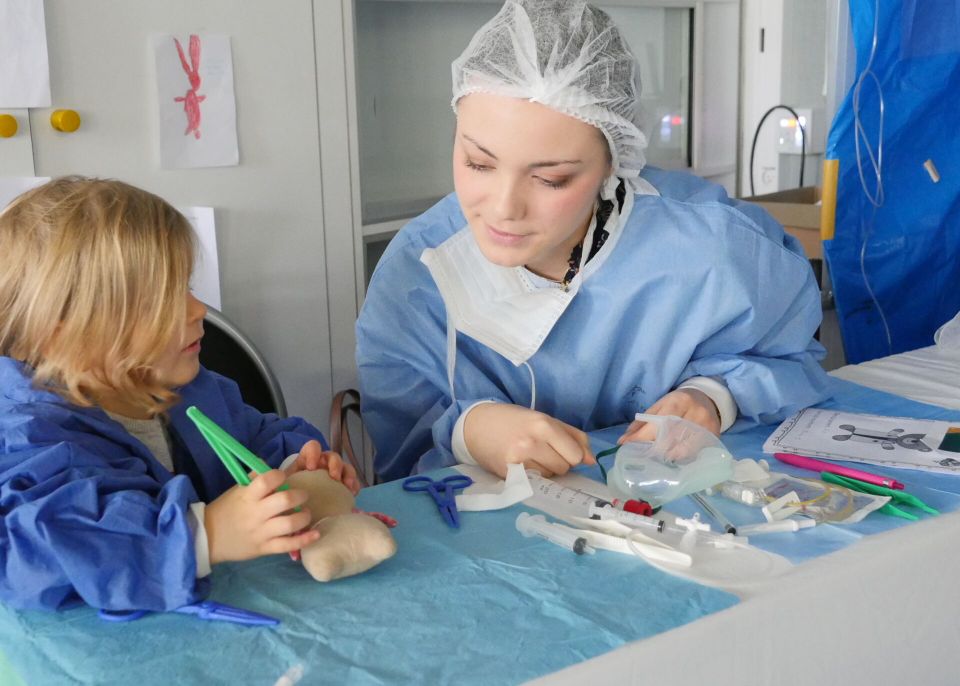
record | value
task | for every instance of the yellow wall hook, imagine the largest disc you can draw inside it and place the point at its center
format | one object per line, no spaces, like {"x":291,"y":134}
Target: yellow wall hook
{"x":67,"y":121}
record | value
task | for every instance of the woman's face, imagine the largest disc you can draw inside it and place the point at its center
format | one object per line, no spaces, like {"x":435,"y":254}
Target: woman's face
{"x":527,"y":178}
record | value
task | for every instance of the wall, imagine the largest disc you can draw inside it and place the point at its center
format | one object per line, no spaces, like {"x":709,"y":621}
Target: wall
{"x":269,"y":210}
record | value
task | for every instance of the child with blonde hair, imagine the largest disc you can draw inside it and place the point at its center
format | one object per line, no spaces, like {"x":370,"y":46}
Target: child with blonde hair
{"x":108,"y":493}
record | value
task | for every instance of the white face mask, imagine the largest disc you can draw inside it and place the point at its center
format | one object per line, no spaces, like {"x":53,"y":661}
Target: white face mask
{"x":501,"y":307}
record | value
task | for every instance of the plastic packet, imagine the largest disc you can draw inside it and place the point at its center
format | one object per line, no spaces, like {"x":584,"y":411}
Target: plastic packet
{"x":824,"y":502}
{"x":684,"y":458}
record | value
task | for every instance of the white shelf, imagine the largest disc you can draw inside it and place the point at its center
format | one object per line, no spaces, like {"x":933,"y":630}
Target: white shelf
{"x":383,"y":231}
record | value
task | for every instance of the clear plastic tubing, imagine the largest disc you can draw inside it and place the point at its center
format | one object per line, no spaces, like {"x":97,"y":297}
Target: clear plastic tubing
{"x":537,"y":525}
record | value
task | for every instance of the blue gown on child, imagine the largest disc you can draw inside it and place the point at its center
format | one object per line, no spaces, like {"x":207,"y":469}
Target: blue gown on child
{"x":88,"y":514}
{"x":697,"y":285}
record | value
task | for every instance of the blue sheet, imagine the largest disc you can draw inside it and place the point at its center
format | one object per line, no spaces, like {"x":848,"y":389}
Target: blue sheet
{"x":941,"y":491}
{"x":482,"y":605}
{"x":910,"y":244}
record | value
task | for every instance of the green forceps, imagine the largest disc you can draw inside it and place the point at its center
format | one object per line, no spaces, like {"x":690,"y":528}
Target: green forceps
{"x":230,"y":451}
{"x":897,"y":497}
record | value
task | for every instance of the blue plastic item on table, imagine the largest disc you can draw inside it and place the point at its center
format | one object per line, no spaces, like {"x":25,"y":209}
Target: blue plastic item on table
{"x":206,"y":609}
{"x":443,"y":492}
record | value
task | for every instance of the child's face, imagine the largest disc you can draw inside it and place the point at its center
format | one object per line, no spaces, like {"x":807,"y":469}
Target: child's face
{"x":180,"y":362}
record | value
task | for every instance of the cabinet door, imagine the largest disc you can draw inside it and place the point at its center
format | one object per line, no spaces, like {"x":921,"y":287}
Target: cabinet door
{"x":269,"y":209}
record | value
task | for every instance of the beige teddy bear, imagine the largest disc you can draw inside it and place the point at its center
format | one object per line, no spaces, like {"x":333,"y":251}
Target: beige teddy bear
{"x":350,"y":542}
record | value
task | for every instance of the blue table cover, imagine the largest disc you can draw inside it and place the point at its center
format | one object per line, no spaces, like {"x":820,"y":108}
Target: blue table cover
{"x":482,"y":605}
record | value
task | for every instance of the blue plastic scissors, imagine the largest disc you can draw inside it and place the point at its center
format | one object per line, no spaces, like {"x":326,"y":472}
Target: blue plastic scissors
{"x":442,"y":492}
{"x":207,"y":609}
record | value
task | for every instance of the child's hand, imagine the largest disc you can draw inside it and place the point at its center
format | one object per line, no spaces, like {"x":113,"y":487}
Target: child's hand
{"x":250,"y":521}
{"x":313,"y":457}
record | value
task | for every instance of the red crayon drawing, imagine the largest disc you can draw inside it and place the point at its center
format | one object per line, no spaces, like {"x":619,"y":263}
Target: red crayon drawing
{"x":191,"y":101}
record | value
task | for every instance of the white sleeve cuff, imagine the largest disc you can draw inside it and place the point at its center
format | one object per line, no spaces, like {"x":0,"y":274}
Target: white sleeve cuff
{"x":458,"y":443}
{"x":201,"y":548}
{"x":721,"y":396}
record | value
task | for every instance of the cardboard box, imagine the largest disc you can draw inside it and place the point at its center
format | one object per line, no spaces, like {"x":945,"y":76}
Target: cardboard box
{"x":799,"y":211}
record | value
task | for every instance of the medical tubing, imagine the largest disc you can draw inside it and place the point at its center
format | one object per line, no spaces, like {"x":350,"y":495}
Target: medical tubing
{"x":605,"y":453}
{"x":756,"y":134}
{"x":877,"y":198}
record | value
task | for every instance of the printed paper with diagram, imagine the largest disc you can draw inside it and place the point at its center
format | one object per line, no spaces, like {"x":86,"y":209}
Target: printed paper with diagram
{"x":892,"y":441}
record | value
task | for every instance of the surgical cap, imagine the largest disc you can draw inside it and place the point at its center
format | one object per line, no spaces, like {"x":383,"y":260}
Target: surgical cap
{"x":568,"y":56}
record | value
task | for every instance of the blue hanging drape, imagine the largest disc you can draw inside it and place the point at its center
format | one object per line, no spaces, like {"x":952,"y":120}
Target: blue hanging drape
{"x":911,"y":238}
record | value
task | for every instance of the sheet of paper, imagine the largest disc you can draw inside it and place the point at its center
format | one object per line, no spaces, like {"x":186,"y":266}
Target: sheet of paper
{"x":198,"y":114}
{"x":24,"y":65}
{"x":872,"y":439}
{"x":12,"y":186}
{"x":205,"y":283}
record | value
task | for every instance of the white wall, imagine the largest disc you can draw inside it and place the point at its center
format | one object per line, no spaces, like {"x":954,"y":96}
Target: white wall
{"x":269,"y":209}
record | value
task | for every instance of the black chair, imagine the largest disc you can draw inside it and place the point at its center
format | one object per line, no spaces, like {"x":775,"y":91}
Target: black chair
{"x":227,"y":351}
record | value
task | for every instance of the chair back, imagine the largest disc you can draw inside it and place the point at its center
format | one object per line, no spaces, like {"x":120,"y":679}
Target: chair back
{"x":345,"y":403}
{"x":227,"y":350}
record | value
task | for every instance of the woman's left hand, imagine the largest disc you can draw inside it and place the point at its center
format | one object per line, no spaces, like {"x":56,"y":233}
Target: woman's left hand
{"x":313,"y":457}
{"x":687,"y":403}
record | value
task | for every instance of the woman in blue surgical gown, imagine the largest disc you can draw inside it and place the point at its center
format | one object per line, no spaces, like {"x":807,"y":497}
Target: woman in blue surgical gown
{"x":566,"y":286}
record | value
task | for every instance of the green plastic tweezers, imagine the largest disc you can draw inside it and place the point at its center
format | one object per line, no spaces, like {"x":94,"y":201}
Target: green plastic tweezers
{"x":230,"y":451}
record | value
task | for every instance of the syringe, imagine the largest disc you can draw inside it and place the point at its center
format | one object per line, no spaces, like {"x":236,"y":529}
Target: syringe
{"x":562,"y":501}
{"x":537,"y":525}
{"x":659,"y":527}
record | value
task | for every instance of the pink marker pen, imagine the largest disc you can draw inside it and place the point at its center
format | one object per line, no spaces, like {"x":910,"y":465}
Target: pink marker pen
{"x":821,"y":466}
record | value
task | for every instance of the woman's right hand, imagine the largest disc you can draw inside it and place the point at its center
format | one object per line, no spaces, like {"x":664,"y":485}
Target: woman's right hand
{"x":498,"y":434}
{"x":249,"y":521}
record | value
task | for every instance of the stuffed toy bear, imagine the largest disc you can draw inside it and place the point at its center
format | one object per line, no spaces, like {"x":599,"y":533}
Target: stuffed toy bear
{"x":350,"y":542}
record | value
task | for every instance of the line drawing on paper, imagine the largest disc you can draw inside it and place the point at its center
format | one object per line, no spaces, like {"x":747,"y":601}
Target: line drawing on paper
{"x":192,"y":99}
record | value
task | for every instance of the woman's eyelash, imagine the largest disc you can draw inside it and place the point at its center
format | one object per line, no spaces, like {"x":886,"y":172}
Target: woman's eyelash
{"x":556,"y":185}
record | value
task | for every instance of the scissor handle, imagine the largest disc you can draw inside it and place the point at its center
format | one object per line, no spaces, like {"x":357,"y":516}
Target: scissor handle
{"x":416,"y":484}
{"x":456,"y":481}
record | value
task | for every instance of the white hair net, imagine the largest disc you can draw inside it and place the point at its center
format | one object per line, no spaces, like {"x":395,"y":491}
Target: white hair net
{"x":568,"y":56}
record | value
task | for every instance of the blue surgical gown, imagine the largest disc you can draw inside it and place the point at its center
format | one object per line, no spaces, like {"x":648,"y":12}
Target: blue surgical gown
{"x":88,"y":514}
{"x":697,"y":285}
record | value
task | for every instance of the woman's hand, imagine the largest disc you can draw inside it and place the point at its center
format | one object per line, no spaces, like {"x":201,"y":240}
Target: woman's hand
{"x":249,"y":521}
{"x":313,"y":457}
{"x":498,"y":434}
{"x":687,"y":403}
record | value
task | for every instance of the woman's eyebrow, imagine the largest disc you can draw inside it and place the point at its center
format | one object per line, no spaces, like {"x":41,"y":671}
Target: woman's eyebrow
{"x":482,"y":149}
{"x":535,"y":165}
